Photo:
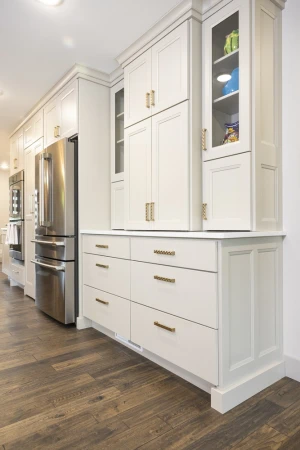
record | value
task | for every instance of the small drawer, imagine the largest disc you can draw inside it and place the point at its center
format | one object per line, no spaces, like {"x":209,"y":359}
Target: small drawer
{"x":190,"y":253}
{"x":114,"y":246}
{"x":17,"y":273}
{"x":189,"y":294}
{"x":107,"y":274}
{"x":185,"y":344}
{"x":108,"y":310}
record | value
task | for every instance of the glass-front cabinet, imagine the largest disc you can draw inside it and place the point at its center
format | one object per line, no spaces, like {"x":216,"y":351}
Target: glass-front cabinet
{"x":226,"y":52}
{"x":117,"y":111}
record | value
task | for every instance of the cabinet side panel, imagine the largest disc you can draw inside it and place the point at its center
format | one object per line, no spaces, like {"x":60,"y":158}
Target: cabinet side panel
{"x":94,"y":156}
{"x":267,"y":79}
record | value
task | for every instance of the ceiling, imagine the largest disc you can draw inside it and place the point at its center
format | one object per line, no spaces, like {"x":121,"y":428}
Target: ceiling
{"x":38,"y":44}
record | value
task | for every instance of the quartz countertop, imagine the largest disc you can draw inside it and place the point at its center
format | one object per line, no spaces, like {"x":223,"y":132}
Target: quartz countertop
{"x":188,"y":234}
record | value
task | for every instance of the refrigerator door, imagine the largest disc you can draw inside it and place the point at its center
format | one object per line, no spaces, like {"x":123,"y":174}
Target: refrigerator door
{"x":55,"y":292}
{"x":61,"y":248}
{"x":55,"y":190}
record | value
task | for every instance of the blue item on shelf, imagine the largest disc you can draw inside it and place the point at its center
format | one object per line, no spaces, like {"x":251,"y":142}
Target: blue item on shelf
{"x":233,"y":84}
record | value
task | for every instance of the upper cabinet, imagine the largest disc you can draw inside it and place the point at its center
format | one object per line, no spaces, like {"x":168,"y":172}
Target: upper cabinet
{"x":117,"y":132}
{"x":33,"y":129}
{"x":226,"y":88}
{"x":157,"y":79}
{"x":61,"y":115}
{"x":16,"y":152}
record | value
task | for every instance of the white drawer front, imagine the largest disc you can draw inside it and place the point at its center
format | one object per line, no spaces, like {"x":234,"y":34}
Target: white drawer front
{"x":191,"y":346}
{"x":115,"y":246}
{"x":18,"y":273}
{"x":189,"y":294}
{"x":107,"y":310}
{"x":107,"y":274}
{"x":189,"y":253}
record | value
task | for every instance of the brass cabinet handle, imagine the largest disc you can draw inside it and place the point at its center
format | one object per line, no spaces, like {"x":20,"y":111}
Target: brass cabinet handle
{"x":101,"y":301}
{"x":147,"y":212}
{"x":204,"y":130}
{"x":101,"y":246}
{"x":55,"y":132}
{"x":204,"y":211}
{"x":160,"y":325}
{"x":147,"y":100}
{"x":152,"y":97}
{"x":167,"y":280}
{"x":164,"y":252}
{"x":104,"y":266}
{"x":15,"y":163}
{"x":152,"y":211}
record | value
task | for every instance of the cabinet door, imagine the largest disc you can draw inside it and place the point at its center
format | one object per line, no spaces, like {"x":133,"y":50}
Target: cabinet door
{"x":20,"y":150}
{"x":227,"y":104}
{"x":227,"y":192}
{"x":29,"y":220}
{"x":117,"y":205}
{"x":38,"y":125}
{"x":28,"y":130}
{"x":170,"y":168}
{"x":51,"y":121}
{"x":170,"y":69}
{"x":14,"y":163}
{"x":68,"y":106}
{"x":117,"y":131}
{"x":137,"y":79}
{"x":138,"y":176}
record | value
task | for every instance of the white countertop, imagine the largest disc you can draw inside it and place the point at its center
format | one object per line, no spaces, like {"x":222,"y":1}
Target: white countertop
{"x":189,"y":234}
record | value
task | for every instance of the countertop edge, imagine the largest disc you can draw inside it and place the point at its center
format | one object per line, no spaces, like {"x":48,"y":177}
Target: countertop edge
{"x":188,"y":234}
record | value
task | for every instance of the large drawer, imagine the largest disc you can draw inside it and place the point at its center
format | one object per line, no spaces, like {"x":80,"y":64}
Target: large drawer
{"x":186,"y":293}
{"x":18,"y":273}
{"x":189,"y":253}
{"x":114,"y":246}
{"x":189,"y":346}
{"x":108,"y":310}
{"x":107,"y":274}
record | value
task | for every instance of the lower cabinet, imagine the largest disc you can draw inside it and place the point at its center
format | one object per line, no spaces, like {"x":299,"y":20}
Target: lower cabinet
{"x":17,"y":273}
{"x":184,"y":343}
{"x":108,"y":310}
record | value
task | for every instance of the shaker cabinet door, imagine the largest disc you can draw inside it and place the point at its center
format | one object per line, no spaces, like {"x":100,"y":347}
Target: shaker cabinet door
{"x":227,"y":193}
{"x":137,"y":79}
{"x":138,"y":176}
{"x":170,"y":168}
{"x":51,"y":122}
{"x":68,"y":105}
{"x":170,"y":72}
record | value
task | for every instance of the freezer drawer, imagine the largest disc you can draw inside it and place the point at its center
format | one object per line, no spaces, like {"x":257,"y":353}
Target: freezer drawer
{"x":61,"y":248}
{"x":55,"y":288}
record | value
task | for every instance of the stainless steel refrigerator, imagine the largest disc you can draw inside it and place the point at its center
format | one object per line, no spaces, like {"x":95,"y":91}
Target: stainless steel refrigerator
{"x":56,"y":230}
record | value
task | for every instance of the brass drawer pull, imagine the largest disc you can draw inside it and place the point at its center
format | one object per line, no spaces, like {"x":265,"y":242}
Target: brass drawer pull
{"x":104,"y":266}
{"x":164,"y":252}
{"x":101,"y":301}
{"x":152,"y":98}
{"x":147,"y":100}
{"x":160,"y":325}
{"x":152,"y":211}
{"x":147,"y":212}
{"x":101,"y":246}
{"x":204,"y":130}
{"x":167,"y":280}
{"x":204,"y":211}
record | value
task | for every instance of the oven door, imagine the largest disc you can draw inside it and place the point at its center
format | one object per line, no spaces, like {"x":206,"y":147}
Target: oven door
{"x":16,"y":201}
{"x":16,"y":251}
{"x":55,"y":288}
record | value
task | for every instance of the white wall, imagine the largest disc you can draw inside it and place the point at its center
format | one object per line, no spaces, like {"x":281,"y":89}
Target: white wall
{"x":291,"y":185}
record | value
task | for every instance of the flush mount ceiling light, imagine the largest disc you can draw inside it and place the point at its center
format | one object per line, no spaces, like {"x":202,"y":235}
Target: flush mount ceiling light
{"x":4,"y":166}
{"x":223,"y":77}
{"x":51,"y":2}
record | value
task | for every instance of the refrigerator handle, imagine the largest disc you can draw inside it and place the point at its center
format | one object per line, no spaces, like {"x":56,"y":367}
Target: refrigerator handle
{"x":45,"y":207}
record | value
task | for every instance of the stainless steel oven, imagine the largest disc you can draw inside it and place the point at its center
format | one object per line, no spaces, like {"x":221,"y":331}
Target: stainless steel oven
{"x":16,"y":214}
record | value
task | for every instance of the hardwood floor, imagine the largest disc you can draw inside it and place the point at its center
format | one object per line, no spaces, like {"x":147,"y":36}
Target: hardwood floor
{"x":61,"y":388}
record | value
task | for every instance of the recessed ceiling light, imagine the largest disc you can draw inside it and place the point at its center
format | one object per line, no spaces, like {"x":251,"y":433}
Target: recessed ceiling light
{"x":51,"y":2}
{"x":223,"y":77}
{"x":4,"y":166}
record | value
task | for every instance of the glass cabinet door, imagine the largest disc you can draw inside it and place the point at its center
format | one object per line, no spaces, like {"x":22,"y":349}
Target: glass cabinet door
{"x":226,"y":57}
{"x":117,"y":110}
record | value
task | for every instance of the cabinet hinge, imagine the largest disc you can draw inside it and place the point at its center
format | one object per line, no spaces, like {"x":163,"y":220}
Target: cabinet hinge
{"x":204,"y":211}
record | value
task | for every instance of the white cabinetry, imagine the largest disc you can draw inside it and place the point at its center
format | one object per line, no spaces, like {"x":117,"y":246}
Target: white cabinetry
{"x":117,"y":205}
{"x":16,"y":152}
{"x":5,"y":253}
{"x":34,"y":129}
{"x":30,"y":216}
{"x":158,"y":78}
{"x":61,"y":115}
{"x":208,"y":309}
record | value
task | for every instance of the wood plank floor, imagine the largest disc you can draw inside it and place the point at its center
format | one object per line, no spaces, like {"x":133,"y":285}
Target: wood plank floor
{"x":66,"y":389}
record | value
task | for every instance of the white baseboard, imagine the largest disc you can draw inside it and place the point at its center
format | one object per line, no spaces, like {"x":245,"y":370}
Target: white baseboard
{"x":225,"y":399}
{"x":82,"y":323}
{"x":292,"y":367}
